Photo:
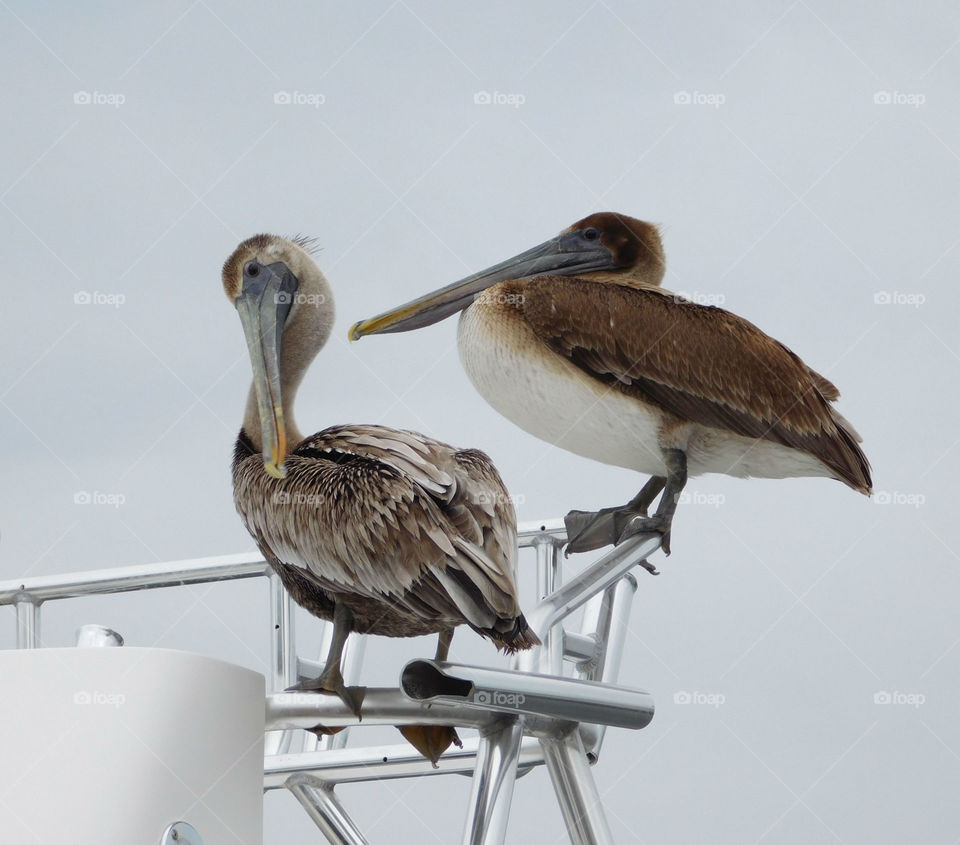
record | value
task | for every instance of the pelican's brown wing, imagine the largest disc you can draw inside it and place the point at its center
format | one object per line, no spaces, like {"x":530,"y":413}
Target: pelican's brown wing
{"x":700,"y":363}
{"x":481,"y":494}
{"x":395,"y":517}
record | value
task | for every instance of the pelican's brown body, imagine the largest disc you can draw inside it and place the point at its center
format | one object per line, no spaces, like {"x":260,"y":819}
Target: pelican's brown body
{"x":576,"y":342}
{"x":378,"y":519}
{"x":685,"y":376}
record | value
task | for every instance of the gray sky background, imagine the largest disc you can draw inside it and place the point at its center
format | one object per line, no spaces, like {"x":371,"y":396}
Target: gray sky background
{"x":811,"y":183}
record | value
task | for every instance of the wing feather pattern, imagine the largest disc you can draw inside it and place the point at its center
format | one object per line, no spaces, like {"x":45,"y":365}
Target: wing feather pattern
{"x":697,"y":362}
{"x":397,"y":517}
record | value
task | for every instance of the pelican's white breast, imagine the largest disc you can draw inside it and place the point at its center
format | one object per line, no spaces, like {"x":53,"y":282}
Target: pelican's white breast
{"x":549,"y":397}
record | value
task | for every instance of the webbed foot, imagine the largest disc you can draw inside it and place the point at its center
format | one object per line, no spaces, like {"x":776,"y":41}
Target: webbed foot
{"x":588,"y":530}
{"x":656,"y":524}
{"x":431,"y":740}
{"x":332,"y":683}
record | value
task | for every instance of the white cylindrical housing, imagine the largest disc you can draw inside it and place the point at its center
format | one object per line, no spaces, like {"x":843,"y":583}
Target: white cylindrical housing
{"x":112,"y":745}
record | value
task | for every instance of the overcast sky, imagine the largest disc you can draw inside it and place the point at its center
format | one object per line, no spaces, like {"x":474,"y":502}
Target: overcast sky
{"x":804,"y":162}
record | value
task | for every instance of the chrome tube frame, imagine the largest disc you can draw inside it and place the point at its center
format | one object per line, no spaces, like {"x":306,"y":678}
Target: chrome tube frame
{"x":544,"y":700}
{"x":283,"y":655}
{"x":548,"y":579}
{"x":556,"y":607}
{"x":324,"y":809}
{"x":576,"y":791}
{"x":123,"y":579}
{"x":380,"y":706}
{"x":385,"y":762}
{"x":508,"y":745}
{"x":607,"y":615}
{"x":28,"y":623}
{"x":491,"y":791}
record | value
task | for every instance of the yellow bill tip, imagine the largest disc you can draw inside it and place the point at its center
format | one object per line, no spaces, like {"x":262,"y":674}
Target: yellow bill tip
{"x":275,"y":470}
{"x":356,"y":331}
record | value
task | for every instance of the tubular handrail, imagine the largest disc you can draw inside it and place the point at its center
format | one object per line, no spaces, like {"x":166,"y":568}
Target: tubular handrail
{"x":40,"y":588}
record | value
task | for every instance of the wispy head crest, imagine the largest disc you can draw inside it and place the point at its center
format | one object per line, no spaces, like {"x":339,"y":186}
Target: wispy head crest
{"x":307,"y":243}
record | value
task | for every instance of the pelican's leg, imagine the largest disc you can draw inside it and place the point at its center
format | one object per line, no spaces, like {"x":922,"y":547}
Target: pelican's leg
{"x":593,"y":530}
{"x":432,"y":740}
{"x":443,"y":645}
{"x":645,"y":497}
{"x":661,"y":521}
{"x":331,"y":679}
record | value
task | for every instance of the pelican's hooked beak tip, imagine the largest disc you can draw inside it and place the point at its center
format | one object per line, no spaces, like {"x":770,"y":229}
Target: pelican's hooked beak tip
{"x":355,"y":332}
{"x":275,"y":470}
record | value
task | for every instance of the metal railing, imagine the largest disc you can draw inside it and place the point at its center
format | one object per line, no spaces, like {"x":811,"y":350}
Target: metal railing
{"x":526,"y":716}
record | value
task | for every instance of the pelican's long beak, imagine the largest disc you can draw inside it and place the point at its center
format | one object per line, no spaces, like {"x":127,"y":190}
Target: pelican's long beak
{"x":567,"y":254}
{"x":263,"y":306}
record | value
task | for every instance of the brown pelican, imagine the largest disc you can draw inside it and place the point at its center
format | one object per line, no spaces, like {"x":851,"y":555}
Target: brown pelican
{"x":577,"y":343}
{"x":381,"y":531}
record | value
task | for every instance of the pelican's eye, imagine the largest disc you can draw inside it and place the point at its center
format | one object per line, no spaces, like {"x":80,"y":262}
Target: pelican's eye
{"x":591,"y":234}
{"x":251,"y":268}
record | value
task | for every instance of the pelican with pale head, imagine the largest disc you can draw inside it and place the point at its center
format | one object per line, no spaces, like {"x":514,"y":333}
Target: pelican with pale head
{"x":378,"y":530}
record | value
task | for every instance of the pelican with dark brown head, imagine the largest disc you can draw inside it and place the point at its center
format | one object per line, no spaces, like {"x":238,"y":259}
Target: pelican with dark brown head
{"x":576,"y":342}
{"x":381,"y":531}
